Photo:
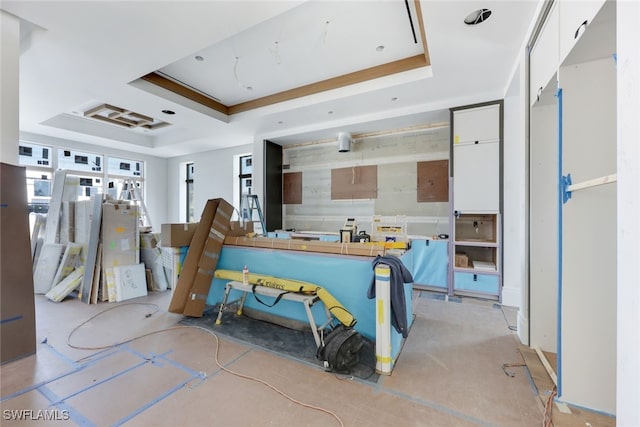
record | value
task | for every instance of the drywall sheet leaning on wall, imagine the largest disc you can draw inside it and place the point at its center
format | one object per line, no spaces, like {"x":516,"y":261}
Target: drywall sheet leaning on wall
{"x":66,"y":286}
{"x":70,"y":259}
{"x":120,"y":237}
{"x":130,"y":282}
{"x":151,"y":256}
{"x":48,"y":263}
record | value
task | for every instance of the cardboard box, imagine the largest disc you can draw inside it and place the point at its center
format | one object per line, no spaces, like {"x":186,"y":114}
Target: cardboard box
{"x":209,"y":260}
{"x":462,"y":260}
{"x":238,"y":229}
{"x":176,"y":235}
{"x":193,"y":285}
{"x":371,"y":249}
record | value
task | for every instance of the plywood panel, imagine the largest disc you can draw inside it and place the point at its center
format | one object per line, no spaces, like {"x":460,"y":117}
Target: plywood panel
{"x":356,"y":182}
{"x":433,"y":181}
{"x":17,"y":328}
{"x":292,"y":188}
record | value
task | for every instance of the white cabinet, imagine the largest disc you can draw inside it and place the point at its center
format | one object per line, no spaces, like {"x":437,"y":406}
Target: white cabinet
{"x":476,"y":158}
{"x":477,"y":254}
{"x":475,"y":251}
{"x":474,"y":125}
{"x":476,"y":172}
{"x":544,"y":56}
{"x":575,"y":17}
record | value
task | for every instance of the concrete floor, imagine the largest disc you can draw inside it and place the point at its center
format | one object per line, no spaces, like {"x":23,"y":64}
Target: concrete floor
{"x":448,"y":374}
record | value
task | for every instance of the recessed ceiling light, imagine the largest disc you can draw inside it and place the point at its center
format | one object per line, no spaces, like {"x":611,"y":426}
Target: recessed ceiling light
{"x":395,"y":98}
{"x":477,"y":16}
{"x":249,"y":87}
{"x":199,"y":58}
{"x":329,"y":112}
{"x":169,"y":112}
{"x":280,"y":122}
{"x":380,"y":48}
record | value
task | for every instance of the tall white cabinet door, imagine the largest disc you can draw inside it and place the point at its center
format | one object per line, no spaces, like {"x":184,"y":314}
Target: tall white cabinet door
{"x":476,"y":172}
{"x":544,"y":56}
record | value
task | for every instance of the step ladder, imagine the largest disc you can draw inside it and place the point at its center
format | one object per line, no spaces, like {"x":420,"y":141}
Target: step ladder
{"x":131,"y":191}
{"x":249,"y":206}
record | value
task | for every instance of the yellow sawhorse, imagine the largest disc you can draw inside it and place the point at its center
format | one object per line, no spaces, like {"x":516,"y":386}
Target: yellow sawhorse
{"x":307,"y":300}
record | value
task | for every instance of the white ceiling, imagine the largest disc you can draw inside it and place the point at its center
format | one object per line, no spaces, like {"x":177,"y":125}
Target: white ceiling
{"x":78,"y":55}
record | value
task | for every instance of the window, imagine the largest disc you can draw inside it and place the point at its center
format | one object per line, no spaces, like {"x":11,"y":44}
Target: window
{"x":245,"y":175}
{"x":189,"y":192}
{"x":120,"y":172}
{"x":39,"y":186}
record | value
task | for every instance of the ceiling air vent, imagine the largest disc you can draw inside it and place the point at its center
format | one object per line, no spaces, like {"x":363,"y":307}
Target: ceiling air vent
{"x":477,"y":17}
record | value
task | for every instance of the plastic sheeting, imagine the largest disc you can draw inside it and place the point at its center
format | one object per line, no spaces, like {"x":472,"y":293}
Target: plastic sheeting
{"x":430,"y":262}
{"x":347,"y":278}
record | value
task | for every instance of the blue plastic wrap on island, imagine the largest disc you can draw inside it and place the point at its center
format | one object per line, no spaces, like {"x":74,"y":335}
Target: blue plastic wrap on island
{"x":430,"y":262}
{"x":347,"y":278}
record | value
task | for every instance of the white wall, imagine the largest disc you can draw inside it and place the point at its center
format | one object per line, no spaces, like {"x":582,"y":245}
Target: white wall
{"x":628,"y":298}
{"x":514,"y":195}
{"x":9,"y":87}
{"x":155,"y":171}
{"x":214,"y":177}
{"x":396,"y":157}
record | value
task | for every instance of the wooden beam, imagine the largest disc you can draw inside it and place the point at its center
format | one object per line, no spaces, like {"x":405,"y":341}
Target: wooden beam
{"x":608,"y":179}
{"x":177,"y":88}
{"x":423,"y":34}
{"x":383,"y":70}
{"x":547,"y":365}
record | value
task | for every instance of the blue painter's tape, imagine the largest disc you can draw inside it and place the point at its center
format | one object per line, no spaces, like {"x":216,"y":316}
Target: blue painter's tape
{"x":60,"y":355}
{"x":153,"y":402}
{"x":182,"y":367}
{"x":74,"y":414}
{"x":383,"y":278}
{"x":10,"y":319}
{"x":560,"y":245}
{"x":97,"y":383}
{"x":40,"y":384}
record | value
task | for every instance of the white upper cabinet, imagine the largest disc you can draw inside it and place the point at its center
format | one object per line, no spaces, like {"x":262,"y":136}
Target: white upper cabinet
{"x":575,"y":17}
{"x":476,"y":177}
{"x":476,"y":125}
{"x":476,"y":159}
{"x":544,"y":57}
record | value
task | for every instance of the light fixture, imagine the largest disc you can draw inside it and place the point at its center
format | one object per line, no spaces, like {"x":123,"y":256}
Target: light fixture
{"x":380,"y":48}
{"x":395,"y":98}
{"x":477,"y":16}
{"x":169,"y":112}
{"x":344,"y":142}
{"x":329,"y":112}
{"x":199,"y":58}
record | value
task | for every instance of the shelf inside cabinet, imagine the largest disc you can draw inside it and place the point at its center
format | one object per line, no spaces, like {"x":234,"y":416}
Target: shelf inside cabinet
{"x":476,"y":228}
{"x":480,"y":258}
